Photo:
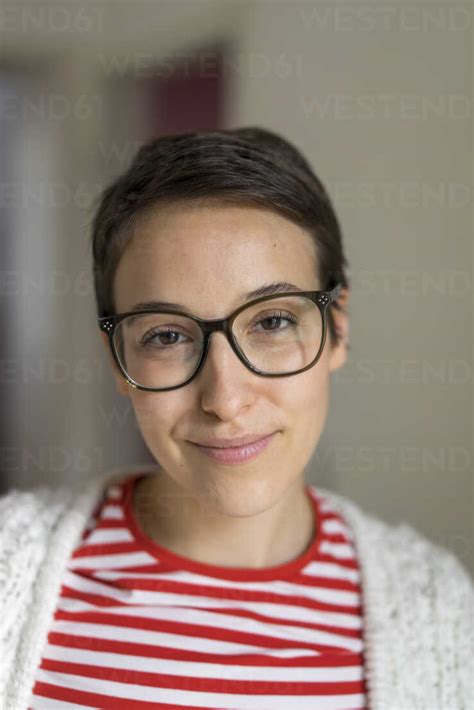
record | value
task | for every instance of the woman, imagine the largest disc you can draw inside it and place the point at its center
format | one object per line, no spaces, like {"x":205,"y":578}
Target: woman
{"x":219,"y":579}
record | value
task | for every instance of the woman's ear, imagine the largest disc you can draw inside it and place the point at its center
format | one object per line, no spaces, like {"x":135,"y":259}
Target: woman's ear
{"x":339,"y":349}
{"x":120,"y":382}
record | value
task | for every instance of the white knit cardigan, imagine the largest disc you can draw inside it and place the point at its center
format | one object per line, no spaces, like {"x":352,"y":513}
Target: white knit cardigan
{"x":418,"y":599}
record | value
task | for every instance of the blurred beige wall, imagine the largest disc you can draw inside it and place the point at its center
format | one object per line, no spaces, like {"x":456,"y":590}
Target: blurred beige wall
{"x":379,"y":97}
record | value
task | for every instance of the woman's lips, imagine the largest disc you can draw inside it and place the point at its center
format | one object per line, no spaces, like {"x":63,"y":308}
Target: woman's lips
{"x":237,"y":454}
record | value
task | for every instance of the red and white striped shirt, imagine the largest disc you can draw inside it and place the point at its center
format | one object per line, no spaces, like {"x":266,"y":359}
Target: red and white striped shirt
{"x":138,"y":626}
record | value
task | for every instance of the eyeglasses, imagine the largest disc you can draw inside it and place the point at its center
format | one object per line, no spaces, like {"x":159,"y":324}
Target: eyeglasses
{"x":273,"y":336}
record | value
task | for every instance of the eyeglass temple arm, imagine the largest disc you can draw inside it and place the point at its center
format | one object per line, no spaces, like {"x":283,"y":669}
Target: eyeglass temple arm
{"x":334,"y":293}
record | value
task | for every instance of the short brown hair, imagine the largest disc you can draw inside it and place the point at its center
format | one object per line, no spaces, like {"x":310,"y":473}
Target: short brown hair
{"x":250,"y":166}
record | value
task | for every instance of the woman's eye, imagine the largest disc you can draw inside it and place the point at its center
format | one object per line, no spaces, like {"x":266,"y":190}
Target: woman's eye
{"x":164,"y":338}
{"x":274,"y":321}
{"x":271,"y":322}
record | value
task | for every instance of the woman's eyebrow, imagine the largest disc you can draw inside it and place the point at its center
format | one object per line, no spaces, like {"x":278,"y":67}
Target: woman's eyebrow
{"x":267,"y":290}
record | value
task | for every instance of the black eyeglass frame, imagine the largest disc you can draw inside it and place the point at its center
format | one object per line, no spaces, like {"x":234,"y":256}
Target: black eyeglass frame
{"x":322,"y":299}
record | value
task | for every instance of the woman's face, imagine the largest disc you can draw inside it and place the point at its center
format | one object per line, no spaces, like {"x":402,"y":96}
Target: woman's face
{"x":207,"y":258}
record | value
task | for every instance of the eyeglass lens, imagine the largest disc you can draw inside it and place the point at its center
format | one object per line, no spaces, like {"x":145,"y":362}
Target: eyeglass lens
{"x":278,"y":336}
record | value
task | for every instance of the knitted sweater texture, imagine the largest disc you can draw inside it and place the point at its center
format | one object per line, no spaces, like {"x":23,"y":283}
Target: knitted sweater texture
{"x":418,"y":598}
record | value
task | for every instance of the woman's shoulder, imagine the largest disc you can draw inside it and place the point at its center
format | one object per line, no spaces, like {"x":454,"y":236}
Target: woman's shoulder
{"x":39,"y":527}
{"x":400,"y":547}
{"x":27,"y":513}
{"x":39,"y":506}
{"x":419,"y":604}
{"x":42,"y":523}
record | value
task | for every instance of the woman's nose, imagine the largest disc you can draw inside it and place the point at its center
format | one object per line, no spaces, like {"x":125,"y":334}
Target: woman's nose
{"x":225,"y":383}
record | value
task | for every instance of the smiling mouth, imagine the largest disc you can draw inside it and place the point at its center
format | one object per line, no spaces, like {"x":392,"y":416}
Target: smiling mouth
{"x":237,"y":442}
{"x":236,"y":454}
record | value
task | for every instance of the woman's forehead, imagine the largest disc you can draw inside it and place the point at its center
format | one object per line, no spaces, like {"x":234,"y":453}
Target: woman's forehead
{"x":211,"y":254}
{"x":225,"y":235}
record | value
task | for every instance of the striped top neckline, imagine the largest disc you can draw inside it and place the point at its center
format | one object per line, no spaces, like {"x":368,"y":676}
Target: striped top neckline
{"x":124,"y":491}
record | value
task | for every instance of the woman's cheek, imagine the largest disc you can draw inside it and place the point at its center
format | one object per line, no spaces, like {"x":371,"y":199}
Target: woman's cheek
{"x":314,"y":404}
{"x":158,"y":416}
{"x":149,"y":412}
